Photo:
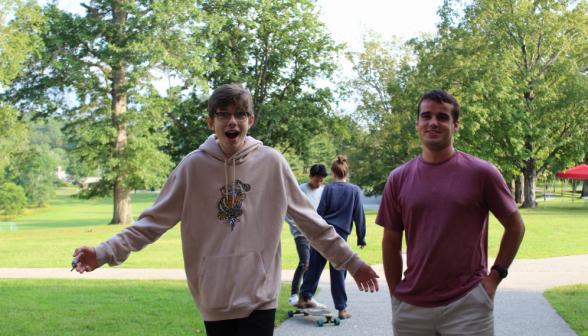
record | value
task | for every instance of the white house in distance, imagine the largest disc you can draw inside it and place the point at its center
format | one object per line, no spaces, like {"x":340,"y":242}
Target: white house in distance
{"x":89,"y":180}
{"x":60,"y":173}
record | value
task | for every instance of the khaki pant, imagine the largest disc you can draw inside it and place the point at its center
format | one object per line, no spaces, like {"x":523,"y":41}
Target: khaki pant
{"x":471,"y":315}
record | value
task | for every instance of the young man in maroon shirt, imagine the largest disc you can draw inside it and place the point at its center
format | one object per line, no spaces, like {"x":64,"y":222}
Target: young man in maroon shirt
{"x":442,"y":200}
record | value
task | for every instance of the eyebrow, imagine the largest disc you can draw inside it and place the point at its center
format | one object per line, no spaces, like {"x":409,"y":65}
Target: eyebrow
{"x":429,"y":112}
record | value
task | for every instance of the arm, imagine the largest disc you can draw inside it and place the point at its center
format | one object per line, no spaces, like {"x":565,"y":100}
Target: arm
{"x":359,"y":219}
{"x":392,"y":255}
{"x":514,"y":230}
{"x":165,"y":213}
{"x":290,"y":222}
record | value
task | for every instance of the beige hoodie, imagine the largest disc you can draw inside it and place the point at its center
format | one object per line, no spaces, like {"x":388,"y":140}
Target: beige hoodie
{"x":232,"y":253}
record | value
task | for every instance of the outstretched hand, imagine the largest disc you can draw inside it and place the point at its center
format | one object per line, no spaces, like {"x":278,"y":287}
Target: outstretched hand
{"x":85,"y":258}
{"x":366,"y":279}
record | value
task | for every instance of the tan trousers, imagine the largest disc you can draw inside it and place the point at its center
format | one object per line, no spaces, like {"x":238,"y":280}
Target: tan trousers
{"x":471,"y":315}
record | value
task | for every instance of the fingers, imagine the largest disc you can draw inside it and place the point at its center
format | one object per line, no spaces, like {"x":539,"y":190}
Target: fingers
{"x":370,"y":285}
{"x":84,"y":259}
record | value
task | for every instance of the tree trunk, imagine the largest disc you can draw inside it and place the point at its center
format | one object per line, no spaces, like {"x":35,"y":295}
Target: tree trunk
{"x":530,"y":177}
{"x":122,"y":204}
{"x":574,"y":186}
{"x":122,"y":192}
{"x":585,"y":188}
{"x":519,"y":189}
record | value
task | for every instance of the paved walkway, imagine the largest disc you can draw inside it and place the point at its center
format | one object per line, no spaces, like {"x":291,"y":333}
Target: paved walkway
{"x":520,"y":308}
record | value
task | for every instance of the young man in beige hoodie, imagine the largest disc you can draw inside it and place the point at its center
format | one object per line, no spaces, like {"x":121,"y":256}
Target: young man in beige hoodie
{"x":231,"y":228}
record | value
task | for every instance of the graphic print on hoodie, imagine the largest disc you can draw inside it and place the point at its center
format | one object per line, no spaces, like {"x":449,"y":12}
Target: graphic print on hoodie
{"x":229,"y":207}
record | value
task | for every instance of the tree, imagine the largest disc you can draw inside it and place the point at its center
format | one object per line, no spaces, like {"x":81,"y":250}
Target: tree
{"x":12,"y":198}
{"x":18,"y":41}
{"x":277,"y":49}
{"x":34,"y":171}
{"x":322,"y":150}
{"x":385,"y":117}
{"x":104,"y":62}
{"x":518,"y":69}
{"x":188,"y":128}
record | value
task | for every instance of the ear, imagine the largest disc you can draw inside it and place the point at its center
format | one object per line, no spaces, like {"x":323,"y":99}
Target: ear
{"x":417,"y":126}
{"x":250,"y":121}
{"x":210,"y":123}
{"x":455,"y":126}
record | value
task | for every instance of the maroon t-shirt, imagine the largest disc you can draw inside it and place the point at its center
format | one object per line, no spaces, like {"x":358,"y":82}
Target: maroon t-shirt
{"x":443,"y":207}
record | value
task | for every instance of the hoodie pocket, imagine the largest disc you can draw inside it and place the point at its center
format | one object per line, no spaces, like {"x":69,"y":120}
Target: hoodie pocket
{"x":232,"y":281}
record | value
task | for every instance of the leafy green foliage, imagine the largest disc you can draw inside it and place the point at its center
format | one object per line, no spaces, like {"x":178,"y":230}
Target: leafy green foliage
{"x":12,"y":198}
{"x":18,"y":41}
{"x":322,"y":150}
{"x":384,"y":120}
{"x":187,"y":128}
{"x":34,"y":171}
{"x":18,"y":38}
{"x":278,"y":50}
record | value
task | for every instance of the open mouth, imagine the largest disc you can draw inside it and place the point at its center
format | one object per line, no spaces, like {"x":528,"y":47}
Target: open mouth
{"x":232,"y":135}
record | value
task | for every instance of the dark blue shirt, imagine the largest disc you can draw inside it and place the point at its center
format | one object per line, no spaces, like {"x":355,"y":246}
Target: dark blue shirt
{"x":341,"y":205}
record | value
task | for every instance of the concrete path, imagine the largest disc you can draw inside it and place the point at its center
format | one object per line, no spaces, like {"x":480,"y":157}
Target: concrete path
{"x":520,"y":308}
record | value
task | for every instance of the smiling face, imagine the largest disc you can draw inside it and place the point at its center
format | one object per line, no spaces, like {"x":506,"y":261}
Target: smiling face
{"x":231,"y":134}
{"x":436,"y":126}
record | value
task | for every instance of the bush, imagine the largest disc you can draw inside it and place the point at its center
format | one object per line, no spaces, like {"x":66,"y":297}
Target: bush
{"x":61,"y":183}
{"x":12,"y":198}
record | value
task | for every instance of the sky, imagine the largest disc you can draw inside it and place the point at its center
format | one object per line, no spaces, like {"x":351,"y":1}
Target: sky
{"x":347,"y":19}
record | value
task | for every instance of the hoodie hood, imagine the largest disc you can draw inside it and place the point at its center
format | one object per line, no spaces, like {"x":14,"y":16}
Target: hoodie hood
{"x":212,"y":148}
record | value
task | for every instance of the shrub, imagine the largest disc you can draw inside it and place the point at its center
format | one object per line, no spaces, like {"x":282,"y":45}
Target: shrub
{"x":12,"y":198}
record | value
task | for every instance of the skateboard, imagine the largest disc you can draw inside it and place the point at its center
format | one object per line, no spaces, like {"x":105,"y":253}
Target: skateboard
{"x":330,"y":318}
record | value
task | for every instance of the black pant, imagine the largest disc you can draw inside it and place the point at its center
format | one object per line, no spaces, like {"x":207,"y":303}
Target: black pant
{"x":303,"y":248}
{"x":259,"y":323}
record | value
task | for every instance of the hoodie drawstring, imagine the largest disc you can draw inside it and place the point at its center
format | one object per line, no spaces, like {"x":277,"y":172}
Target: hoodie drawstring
{"x":227,"y":180}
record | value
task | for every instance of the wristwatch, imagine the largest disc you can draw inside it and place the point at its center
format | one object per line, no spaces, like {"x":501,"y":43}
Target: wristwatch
{"x":501,"y":270}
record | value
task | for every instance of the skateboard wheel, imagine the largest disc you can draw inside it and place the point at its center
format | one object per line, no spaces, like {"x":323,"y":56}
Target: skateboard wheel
{"x":320,"y":323}
{"x":290,"y":313}
{"x":337,"y":321}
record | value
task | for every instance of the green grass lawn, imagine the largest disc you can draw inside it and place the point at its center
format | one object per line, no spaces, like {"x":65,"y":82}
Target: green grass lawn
{"x":49,"y":239}
{"x":104,"y":307}
{"x":571,"y":302}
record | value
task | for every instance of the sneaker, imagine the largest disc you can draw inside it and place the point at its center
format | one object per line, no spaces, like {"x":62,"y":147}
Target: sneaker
{"x":293,"y":300}
{"x":319,"y":305}
{"x":344,"y":314}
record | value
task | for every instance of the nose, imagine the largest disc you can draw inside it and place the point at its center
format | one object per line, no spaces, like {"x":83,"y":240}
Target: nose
{"x":232,"y":119}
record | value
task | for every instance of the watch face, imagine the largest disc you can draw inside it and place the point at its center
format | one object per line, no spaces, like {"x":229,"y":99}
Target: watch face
{"x":501,"y":270}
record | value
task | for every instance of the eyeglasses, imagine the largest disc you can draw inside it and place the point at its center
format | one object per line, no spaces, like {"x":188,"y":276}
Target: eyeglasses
{"x":226,"y":116}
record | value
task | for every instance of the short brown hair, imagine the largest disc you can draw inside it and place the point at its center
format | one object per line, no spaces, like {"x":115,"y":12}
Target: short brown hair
{"x":339,"y":167}
{"x":230,"y":94}
{"x":440,"y":97}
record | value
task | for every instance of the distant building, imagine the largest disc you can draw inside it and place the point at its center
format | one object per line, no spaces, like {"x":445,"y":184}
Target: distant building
{"x":89,"y":180}
{"x":61,"y":175}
